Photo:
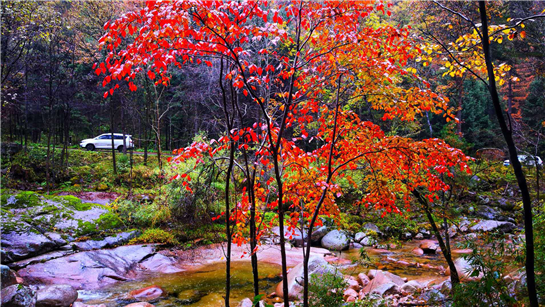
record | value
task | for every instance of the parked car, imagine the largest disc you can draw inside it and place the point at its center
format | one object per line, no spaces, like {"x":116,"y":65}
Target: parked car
{"x":526,"y":160}
{"x":104,"y":141}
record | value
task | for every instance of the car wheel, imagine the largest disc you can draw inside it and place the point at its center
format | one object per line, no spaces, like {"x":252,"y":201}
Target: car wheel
{"x":120,"y":148}
{"x":90,"y":147}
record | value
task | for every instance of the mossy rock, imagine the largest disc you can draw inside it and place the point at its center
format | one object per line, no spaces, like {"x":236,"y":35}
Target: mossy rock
{"x":109,"y":221}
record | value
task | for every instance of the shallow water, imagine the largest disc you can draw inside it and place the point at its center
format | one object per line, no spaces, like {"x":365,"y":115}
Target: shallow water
{"x":209,"y":280}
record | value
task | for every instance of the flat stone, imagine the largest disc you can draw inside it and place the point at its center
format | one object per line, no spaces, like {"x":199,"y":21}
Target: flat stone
{"x":108,"y":242}
{"x":489,"y":225}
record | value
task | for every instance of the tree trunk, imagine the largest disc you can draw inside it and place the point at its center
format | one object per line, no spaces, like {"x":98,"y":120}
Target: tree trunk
{"x":112,"y":122}
{"x":513,"y":156}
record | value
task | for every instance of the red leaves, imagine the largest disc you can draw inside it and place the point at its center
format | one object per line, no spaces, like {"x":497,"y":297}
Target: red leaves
{"x":151,"y":75}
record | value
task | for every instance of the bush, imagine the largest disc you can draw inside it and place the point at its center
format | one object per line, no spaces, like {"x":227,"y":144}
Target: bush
{"x":155,"y":235}
{"x":326,"y":290}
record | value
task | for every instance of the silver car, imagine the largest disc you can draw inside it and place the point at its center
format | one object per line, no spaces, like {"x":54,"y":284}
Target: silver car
{"x":104,"y":141}
{"x":526,"y":160}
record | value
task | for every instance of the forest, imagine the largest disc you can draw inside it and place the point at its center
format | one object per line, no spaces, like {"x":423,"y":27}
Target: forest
{"x":272,"y":153}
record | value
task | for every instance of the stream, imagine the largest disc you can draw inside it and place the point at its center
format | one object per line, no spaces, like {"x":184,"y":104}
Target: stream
{"x":206,"y":284}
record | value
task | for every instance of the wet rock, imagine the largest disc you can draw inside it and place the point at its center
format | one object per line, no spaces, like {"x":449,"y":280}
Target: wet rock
{"x":363,"y":279}
{"x":212,"y":300}
{"x":8,"y":276}
{"x":418,"y":251}
{"x":335,"y":240}
{"x":56,"y":296}
{"x":92,"y":269}
{"x":489,"y":225}
{"x":18,"y":296}
{"x":140,"y":304}
{"x":190,"y":296}
{"x":107,"y":242}
{"x":317,"y":266}
{"x":147,"y":294}
{"x":318,"y":234}
{"x":429,"y":247}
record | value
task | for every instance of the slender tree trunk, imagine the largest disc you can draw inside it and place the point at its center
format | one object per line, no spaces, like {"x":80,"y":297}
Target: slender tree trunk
{"x":112,"y":122}
{"x":50,"y":120}
{"x":454,"y":277}
{"x":513,"y":156}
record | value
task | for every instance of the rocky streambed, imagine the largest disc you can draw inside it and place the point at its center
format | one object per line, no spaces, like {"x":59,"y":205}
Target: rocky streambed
{"x":50,"y":259}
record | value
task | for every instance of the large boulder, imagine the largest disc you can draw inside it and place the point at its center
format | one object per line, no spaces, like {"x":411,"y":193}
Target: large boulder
{"x":411,"y":287}
{"x":8,"y":277}
{"x":18,"y":296}
{"x":56,"y":296}
{"x":97,"y":269}
{"x":317,"y":266}
{"x":318,"y":234}
{"x":336,"y":240}
{"x":487,"y":212}
{"x":489,"y":225}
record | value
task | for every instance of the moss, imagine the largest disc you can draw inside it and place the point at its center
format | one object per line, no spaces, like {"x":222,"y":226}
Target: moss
{"x":108,"y":221}
{"x":85,"y":228}
{"x":155,"y":235}
{"x":26,"y":199}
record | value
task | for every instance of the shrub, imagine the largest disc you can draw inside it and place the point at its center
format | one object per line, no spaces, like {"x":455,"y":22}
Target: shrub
{"x":156,"y":235}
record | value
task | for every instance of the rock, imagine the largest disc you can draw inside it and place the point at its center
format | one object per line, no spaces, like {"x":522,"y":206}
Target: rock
{"x":505,"y":204}
{"x":8,"y":277}
{"x":363,"y":279}
{"x":359,"y":236}
{"x":425,"y":233}
{"x":368,"y":241}
{"x":80,"y":304}
{"x":463,"y":267}
{"x":432,"y":297}
{"x":317,"y":266}
{"x":108,"y":242}
{"x":350,"y":293}
{"x":18,"y":296}
{"x":294,"y":235}
{"x":245,"y":303}
{"x":191,"y":296}
{"x":28,"y":243}
{"x":212,"y":300}
{"x":147,"y":294}
{"x":487,"y":212}
{"x":336,"y":240}
{"x":445,"y":287}
{"x":140,"y":304}
{"x":418,"y":251}
{"x":411,"y":287}
{"x":93,"y":269}
{"x":353,"y":284}
{"x":383,"y":283}
{"x":429,"y":247}
{"x":489,"y":225}
{"x":385,"y":276}
{"x":161,"y":264}
{"x":407,"y":236}
{"x":419,"y":236}
{"x":318,"y":234}
{"x":370,"y":227}
{"x":56,"y":296}
{"x":355,"y":245}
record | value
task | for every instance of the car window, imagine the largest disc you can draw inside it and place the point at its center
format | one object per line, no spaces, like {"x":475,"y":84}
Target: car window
{"x":118,"y":137}
{"x":105,"y":137}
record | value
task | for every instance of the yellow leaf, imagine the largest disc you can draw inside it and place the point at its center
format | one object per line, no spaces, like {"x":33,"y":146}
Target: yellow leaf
{"x":500,"y":40}
{"x":522,"y":25}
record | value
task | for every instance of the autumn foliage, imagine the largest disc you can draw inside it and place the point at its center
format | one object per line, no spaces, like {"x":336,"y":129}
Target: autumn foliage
{"x":303,"y":64}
